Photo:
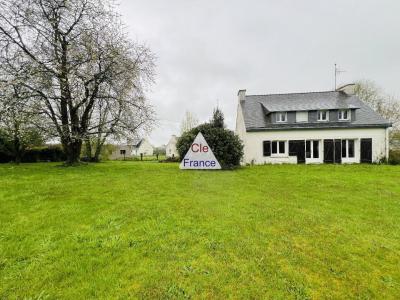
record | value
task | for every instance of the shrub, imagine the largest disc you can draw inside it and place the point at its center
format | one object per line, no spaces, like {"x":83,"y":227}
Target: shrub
{"x":171,"y":159}
{"x":394,"y":157}
{"x":49,"y":153}
{"x":226,"y":146}
{"x":5,"y":157}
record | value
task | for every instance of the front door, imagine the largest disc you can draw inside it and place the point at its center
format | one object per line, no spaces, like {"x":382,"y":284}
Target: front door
{"x":332,"y":151}
{"x":338,"y":152}
{"x":366,"y":151}
{"x":297,"y":148}
{"x":329,"y":154}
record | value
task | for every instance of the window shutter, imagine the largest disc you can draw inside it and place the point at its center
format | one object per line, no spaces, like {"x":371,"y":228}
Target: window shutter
{"x":267,"y":148}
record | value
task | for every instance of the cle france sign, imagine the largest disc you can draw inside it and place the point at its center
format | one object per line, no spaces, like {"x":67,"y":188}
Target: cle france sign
{"x":200,"y":156}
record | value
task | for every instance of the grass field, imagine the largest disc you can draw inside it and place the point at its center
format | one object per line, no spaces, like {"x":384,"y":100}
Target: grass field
{"x":147,"y":230}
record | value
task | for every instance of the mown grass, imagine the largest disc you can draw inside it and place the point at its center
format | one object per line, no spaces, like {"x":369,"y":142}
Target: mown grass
{"x":147,"y":230}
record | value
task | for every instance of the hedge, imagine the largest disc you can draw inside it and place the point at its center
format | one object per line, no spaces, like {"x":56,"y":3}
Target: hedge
{"x":40,"y":154}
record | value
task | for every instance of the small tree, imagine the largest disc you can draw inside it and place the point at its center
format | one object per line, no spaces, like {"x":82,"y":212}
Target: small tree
{"x":189,"y":122}
{"x":218,"y":118}
{"x":226,"y":146}
{"x":385,"y":105}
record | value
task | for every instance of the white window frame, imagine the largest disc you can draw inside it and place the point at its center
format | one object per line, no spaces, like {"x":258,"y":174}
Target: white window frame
{"x":319,"y":114}
{"x":278,"y":154}
{"x":279,"y":117}
{"x":341,"y":114}
{"x":312,"y":150}
{"x":347,"y":157}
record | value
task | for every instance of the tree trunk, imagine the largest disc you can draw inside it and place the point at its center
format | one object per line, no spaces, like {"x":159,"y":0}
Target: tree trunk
{"x":17,"y":150}
{"x":73,"y":152}
{"x":17,"y":144}
{"x":88,"y":149}
{"x":96,"y":157}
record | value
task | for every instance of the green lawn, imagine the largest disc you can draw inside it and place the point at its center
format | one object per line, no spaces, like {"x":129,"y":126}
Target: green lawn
{"x":147,"y":230}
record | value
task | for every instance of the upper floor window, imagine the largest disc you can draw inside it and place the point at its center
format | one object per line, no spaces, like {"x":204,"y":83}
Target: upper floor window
{"x":323,"y":115}
{"x":281,"y":117}
{"x":344,"y":115}
{"x":301,"y":116}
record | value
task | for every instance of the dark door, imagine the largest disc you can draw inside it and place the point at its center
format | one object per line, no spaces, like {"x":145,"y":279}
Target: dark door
{"x":329,"y":151}
{"x":297,"y":148}
{"x":366,"y":151}
{"x":338,"y":152}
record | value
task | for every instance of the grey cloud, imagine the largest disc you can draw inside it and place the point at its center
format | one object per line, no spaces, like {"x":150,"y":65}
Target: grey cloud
{"x":207,"y":50}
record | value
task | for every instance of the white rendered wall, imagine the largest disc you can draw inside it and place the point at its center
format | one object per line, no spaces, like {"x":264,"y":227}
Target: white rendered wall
{"x":253,"y":143}
{"x":171,"y":150}
{"x":145,"y":147}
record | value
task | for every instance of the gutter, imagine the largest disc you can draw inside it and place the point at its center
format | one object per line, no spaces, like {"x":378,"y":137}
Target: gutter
{"x":258,"y":129}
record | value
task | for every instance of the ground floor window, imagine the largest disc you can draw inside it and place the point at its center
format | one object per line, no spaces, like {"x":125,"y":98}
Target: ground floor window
{"x":278,"y":147}
{"x":312,"y":149}
{"x":347,"y":148}
{"x":122,"y":152}
{"x":274,"y":148}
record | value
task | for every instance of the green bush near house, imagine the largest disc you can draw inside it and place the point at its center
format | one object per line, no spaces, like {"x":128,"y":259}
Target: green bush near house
{"x":150,"y":231}
{"x":394,"y":157}
{"x":225,"y":144}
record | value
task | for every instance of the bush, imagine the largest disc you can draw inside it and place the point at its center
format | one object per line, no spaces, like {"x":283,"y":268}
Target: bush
{"x":48,"y":154}
{"x":171,"y":159}
{"x":5,"y":157}
{"x":394,"y":157}
{"x":226,"y":146}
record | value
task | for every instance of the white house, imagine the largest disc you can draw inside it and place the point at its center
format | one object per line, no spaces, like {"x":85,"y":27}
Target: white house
{"x":171,"y":150}
{"x":132,"y":148}
{"x":121,"y":152}
{"x":142,"y":147}
{"x":317,"y":127}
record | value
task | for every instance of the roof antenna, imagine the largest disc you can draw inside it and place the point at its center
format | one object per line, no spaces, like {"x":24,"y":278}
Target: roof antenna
{"x":337,"y":72}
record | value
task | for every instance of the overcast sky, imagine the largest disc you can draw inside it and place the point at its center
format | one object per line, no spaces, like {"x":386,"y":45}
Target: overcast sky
{"x":207,"y":50}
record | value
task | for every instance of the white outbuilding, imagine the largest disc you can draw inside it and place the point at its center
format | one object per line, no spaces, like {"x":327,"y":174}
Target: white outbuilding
{"x":171,"y":150}
{"x":132,"y":149}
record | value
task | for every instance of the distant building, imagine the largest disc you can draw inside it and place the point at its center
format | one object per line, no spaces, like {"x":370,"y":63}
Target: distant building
{"x":132,"y":148}
{"x":121,"y":152}
{"x":171,"y":150}
{"x":318,"y":127}
{"x":143,"y":147}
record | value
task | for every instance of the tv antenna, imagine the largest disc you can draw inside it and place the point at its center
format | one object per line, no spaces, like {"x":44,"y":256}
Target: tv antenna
{"x":337,"y":72}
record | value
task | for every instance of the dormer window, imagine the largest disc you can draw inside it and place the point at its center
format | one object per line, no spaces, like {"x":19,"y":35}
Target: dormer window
{"x":323,"y":116}
{"x":344,"y":115}
{"x":281,"y":117}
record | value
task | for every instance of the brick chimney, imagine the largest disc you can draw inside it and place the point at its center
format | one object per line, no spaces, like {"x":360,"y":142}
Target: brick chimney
{"x":348,"y":89}
{"x":241,"y":95}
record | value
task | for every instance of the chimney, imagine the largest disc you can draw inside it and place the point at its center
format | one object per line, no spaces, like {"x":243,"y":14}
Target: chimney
{"x":348,"y":89}
{"x":242,"y":95}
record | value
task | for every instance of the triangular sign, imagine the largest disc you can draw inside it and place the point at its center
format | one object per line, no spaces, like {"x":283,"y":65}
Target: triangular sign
{"x":200,"y":156}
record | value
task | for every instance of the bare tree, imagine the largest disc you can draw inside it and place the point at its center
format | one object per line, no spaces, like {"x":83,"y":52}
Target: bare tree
{"x":387,"y":106}
{"x":189,"y":122}
{"x":73,"y":54}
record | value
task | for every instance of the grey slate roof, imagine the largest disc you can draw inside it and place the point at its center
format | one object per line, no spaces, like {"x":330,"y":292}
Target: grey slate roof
{"x":137,"y":143}
{"x":256,"y":107}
